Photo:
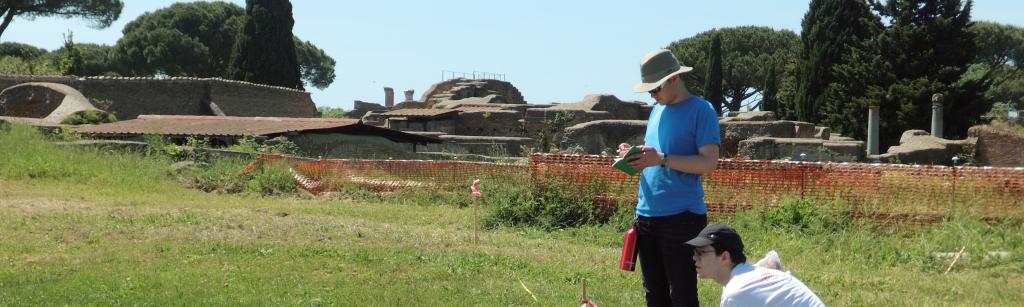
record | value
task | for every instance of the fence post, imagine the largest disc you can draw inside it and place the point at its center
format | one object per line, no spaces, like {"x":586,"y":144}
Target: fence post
{"x":952,"y":199}
{"x":803,"y":174}
{"x":937,"y":116}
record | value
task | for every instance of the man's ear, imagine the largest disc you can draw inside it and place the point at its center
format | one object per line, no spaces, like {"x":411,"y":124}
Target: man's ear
{"x":725,"y":256}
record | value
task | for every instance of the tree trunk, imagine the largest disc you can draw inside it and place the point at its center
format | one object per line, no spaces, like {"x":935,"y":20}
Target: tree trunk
{"x":8,"y":16}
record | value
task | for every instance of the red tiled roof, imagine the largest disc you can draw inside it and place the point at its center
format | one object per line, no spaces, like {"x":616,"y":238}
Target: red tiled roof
{"x":419,"y":112}
{"x":214,"y":125}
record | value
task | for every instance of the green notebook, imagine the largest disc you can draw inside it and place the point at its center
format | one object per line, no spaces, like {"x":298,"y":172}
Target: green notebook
{"x":623,"y":164}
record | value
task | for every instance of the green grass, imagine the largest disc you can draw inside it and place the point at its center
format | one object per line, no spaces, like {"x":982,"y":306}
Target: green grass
{"x":86,"y":227}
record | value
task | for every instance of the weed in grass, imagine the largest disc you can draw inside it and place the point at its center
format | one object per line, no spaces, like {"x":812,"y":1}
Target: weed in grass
{"x":551,"y":204}
{"x":270,"y":179}
{"x":428,"y":197}
{"x":28,"y":154}
{"x":219,"y":175}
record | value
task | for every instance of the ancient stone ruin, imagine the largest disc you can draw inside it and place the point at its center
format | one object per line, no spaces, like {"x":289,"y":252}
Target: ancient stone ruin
{"x":488,"y":117}
{"x":53,"y":103}
{"x":129,"y":97}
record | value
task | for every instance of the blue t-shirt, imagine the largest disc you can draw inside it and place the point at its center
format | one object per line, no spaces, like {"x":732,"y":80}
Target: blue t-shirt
{"x":677,"y":129}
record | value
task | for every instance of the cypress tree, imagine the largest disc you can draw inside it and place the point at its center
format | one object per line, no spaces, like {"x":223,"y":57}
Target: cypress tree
{"x":713,"y":79}
{"x":71,"y":63}
{"x":830,"y":28}
{"x":264,"y":51}
{"x":929,"y":47}
{"x":925,"y":49}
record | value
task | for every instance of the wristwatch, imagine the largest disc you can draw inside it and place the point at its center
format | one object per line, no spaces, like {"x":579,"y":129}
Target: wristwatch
{"x":664,"y":159}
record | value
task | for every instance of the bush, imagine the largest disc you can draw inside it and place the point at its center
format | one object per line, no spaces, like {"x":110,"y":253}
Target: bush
{"x":551,"y":204}
{"x":510,"y":204}
{"x":800,"y":215}
{"x":561,"y":208}
{"x":278,"y":145}
{"x":221,"y":176}
{"x":90,"y":117}
{"x":218,"y":175}
{"x":271,"y":179}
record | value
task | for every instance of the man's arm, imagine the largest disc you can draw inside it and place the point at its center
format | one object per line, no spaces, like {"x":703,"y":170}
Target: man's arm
{"x":705,"y":161}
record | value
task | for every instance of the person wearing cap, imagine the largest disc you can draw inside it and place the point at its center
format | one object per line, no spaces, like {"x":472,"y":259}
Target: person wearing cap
{"x":681,"y":144}
{"x":718,"y":255}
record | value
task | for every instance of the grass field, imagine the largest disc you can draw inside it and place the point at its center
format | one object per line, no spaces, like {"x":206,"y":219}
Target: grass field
{"x":94,"y":227}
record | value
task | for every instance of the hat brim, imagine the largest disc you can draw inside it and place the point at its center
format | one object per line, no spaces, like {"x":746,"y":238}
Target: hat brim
{"x":647,"y":87}
{"x":699,"y":241}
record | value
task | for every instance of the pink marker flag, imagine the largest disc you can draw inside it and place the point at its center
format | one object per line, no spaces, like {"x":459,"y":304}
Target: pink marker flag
{"x":476,"y":193}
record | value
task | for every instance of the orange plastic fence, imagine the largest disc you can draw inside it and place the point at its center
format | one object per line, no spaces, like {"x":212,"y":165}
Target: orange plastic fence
{"x":327,"y":174}
{"x":914,"y":193}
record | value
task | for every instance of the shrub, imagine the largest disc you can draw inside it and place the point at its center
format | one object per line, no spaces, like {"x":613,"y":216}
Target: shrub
{"x":221,"y":176}
{"x":509,"y":204}
{"x":278,"y":145}
{"x":271,"y":179}
{"x":90,"y":117}
{"x":64,"y":134}
{"x":551,"y":204}
{"x":803,"y":215}
{"x":218,"y":175}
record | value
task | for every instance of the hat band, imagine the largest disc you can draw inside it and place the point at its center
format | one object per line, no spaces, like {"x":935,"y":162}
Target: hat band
{"x":654,"y":77}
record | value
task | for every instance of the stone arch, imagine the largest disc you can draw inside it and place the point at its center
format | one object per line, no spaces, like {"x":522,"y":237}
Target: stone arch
{"x":456,"y":89}
{"x":52,"y":102}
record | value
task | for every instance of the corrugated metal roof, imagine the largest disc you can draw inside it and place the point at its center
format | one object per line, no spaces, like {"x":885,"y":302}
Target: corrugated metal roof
{"x":483,"y":109}
{"x":35,"y":122}
{"x":187,"y":125}
{"x":419,"y":112}
{"x":214,"y":125}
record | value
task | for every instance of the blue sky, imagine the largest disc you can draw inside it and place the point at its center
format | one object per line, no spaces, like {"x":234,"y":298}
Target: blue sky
{"x":552,"y":51}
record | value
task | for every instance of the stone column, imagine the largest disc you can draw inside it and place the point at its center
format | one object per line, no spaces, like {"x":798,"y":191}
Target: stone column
{"x":389,"y":97}
{"x":872,"y":130}
{"x":408,"y":94}
{"x":937,"y":115}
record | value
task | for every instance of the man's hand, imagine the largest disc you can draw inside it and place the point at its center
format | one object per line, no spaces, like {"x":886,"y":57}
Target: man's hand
{"x":623,"y":148}
{"x":705,"y":161}
{"x":649,"y":157}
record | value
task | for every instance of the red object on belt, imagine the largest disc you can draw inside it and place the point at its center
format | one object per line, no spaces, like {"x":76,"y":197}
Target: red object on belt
{"x":628,"y":260}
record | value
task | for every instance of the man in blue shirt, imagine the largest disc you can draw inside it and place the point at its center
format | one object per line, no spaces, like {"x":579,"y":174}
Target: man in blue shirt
{"x":681,"y":144}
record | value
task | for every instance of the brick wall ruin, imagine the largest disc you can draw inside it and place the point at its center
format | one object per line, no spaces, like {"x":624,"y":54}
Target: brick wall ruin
{"x":997,"y":146}
{"x":129,"y":97}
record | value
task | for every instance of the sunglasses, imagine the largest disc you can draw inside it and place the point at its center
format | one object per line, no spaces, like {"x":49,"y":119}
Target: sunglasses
{"x":700,"y":252}
{"x":656,"y":90}
{"x":659,"y":88}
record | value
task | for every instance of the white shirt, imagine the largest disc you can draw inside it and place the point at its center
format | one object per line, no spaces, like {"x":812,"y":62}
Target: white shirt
{"x":757,"y":286}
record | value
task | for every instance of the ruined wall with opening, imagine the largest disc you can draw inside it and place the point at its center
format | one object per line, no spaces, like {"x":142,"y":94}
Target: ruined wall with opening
{"x":129,"y":97}
{"x":29,"y":101}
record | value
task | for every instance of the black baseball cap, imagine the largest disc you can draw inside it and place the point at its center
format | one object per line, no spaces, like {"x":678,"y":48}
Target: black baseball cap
{"x":721,"y":235}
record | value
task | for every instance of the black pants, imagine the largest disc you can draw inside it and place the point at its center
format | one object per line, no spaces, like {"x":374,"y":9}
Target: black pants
{"x":670,"y":278}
